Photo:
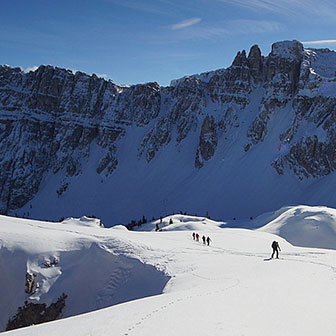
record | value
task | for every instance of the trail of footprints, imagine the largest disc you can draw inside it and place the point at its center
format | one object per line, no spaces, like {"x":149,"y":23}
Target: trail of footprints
{"x":155,"y":311}
{"x":162,"y":308}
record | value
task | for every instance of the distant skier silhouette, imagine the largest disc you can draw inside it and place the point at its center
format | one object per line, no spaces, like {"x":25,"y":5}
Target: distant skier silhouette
{"x":276,"y":249}
{"x":208,"y":240}
{"x":193,"y":235}
{"x":203,"y":238}
{"x":197,"y":236}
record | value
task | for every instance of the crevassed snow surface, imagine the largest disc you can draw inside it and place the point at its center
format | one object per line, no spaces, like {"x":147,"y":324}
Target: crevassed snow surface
{"x":228,"y":288}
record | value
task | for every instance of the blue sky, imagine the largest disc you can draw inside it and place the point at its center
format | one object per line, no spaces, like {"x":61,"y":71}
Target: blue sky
{"x":136,"y":41}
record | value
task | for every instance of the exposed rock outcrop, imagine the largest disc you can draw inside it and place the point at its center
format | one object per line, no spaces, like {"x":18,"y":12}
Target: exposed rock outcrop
{"x":207,"y":142}
{"x":53,"y":122}
{"x":36,"y":313}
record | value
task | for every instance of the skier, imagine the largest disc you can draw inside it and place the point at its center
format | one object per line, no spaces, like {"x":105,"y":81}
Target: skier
{"x":203,"y":238}
{"x":193,"y":235}
{"x":197,"y":236}
{"x":208,"y":241}
{"x":276,"y":249}
{"x":156,"y":227}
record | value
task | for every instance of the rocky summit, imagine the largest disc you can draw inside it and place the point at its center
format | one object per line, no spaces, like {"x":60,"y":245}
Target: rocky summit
{"x":255,"y":136}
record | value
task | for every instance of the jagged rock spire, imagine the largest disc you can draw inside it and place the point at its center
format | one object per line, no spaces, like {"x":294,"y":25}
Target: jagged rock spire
{"x":240,"y":59}
{"x":255,"y":63}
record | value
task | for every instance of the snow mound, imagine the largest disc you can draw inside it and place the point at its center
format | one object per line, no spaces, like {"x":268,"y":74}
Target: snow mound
{"x":302,"y":225}
{"x":95,"y":267}
{"x":83,"y":221}
{"x":119,"y":227}
{"x":181,"y":223}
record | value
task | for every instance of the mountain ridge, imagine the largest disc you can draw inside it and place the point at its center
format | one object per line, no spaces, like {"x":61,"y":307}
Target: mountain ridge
{"x":87,"y":145}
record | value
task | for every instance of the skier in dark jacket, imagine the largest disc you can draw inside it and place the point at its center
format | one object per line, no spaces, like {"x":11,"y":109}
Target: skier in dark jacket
{"x":208,"y":241}
{"x":193,"y":235}
{"x":203,"y":238}
{"x":276,"y":249}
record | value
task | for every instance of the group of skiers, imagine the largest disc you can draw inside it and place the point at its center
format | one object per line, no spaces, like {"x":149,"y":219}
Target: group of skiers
{"x":206,"y":240}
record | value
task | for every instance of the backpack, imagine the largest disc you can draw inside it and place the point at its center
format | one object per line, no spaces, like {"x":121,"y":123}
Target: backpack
{"x":274,"y":245}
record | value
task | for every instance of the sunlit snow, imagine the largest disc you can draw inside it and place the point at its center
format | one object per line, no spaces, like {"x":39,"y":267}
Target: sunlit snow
{"x":173,"y":284}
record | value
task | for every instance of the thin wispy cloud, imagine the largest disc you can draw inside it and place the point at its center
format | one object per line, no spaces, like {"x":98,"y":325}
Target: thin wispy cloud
{"x":138,"y":5}
{"x":268,"y":5}
{"x":170,"y":8}
{"x":224,"y":29}
{"x":322,"y":8}
{"x":185,"y":23}
{"x":319,"y":42}
{"x":253,"y":26}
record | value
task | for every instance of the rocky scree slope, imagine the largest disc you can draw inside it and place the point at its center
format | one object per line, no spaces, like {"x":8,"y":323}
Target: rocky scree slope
{"x":54,"y":123}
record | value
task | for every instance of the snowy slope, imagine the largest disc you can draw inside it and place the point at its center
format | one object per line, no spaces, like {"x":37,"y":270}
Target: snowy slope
{"x":93,"y":272}
{"x":237,"y":184}
{"x":303,"y":226}
{"x":230,"y":287}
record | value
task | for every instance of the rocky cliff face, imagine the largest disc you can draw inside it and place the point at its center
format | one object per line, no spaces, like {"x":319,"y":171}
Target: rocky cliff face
{"x":49,"y":119}
{"x":54,"y":122}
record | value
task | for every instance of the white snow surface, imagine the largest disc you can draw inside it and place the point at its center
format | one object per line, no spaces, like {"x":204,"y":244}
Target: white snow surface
{"x":228,"y":288}
{"x":303,"y":226}
{"x":287,"y":49}
{"x":86,"y":221}
{"x":323,"y":62}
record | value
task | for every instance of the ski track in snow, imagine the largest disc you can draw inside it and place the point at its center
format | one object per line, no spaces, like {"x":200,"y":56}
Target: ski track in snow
{"x":265,"y":255}
{"x":170,"y":305}
{"x":214,"y":250}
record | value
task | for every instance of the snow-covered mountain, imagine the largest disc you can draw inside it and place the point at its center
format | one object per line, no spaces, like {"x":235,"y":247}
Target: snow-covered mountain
{"x":167,"y":281}
{"x":235,"y":142}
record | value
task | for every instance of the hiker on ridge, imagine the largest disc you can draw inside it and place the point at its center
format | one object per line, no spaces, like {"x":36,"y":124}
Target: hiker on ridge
{"x":203,"y":238}
{"x":208,"y":240}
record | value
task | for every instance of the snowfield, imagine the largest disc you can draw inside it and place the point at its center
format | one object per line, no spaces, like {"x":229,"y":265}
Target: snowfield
{"x":168,"y":284}
{"x":303,"y":226}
